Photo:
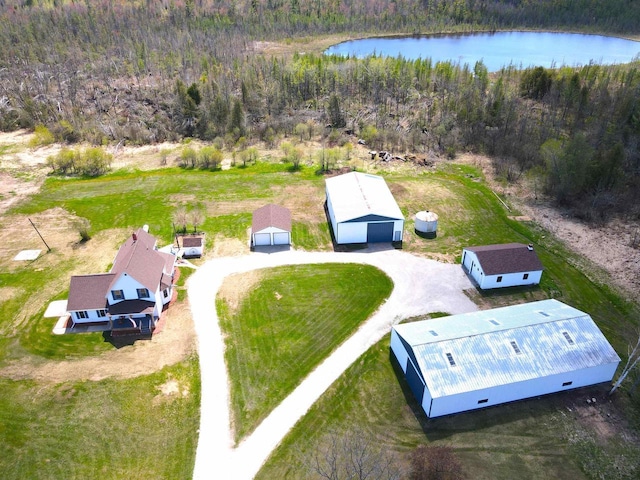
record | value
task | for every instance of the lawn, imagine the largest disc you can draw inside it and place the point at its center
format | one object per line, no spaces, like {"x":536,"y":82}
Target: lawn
{"x":288,"y":322}
{"x":289,"y":342}
{"x":533,"y":439}
{"x":140,"y":428}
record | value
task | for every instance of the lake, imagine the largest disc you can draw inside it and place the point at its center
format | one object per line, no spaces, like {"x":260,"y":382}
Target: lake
{"x":496,"y":50}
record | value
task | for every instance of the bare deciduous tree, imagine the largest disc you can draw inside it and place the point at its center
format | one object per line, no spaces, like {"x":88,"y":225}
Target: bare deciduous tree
{"x":354,"y":456}
{"x":435,"y":463}
{"x":632,"y":362}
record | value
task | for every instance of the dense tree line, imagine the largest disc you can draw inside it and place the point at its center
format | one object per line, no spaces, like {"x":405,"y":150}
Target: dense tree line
{"x":108,"y":71}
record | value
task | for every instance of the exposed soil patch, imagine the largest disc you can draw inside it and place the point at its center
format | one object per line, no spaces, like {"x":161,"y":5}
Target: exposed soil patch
{"x":235,"y":287}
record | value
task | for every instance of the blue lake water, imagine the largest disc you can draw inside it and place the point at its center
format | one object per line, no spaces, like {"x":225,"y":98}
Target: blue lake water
{"x":496,"y":50}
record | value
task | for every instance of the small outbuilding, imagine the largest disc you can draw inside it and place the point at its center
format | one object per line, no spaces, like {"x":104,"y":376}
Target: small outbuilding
{"x":271,"y":225}
{"x":503,"y":265}
{"x":192,"y":245}
{"x":362,"y":209}
{"x":475,"y":360}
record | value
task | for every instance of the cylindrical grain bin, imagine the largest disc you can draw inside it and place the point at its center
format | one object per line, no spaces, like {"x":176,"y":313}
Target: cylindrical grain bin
{"x":426,"y":224}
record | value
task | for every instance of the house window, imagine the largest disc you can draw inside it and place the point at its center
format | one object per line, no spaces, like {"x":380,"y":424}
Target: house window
{"x":433,"y":332}
{"x":568,"y":338}
{"x":484,"y":400}
{"x":166,"y":293}
{"x":566,"y":384}
{"x":494,"y":321}
{"x":452,"y":362}
{"x":515,"y":347}
{"x":499,"y":279}
{"x":117,"y":294}
{"x":544,"y":314}
{"x":525,"y":276}
{"x":102,"y":313}
{"x":142,"y":293}
{"x":82,"y":314}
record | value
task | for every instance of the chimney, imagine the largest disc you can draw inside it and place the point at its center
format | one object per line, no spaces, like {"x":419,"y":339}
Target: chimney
{"x":530,"y":247}
{"x":134,"y":236}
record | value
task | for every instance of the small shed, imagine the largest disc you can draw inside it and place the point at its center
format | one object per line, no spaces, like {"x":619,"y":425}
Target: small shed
{"x":193,"y":245}
{"x":362,"y":209}
{"x":271,"y":225}
{"x":502,"y":265}
{"x":475,"y":360}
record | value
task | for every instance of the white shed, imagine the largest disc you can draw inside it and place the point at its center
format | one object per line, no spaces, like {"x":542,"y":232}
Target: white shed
{"x":362,"y":209}
{"x":271,"y":225}
{"x":193,"y":245}
{"x":475,"y":360}
{"x":503,"y":265}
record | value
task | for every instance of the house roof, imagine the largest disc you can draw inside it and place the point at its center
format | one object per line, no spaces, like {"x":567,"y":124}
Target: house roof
{"x":189,"y":242}
{"x":88,"y":292}
{"x":271,"y":216}
{"x":507,"y":258}
{"x":361,"y":196}
{"x":138,"y":259}
{"x":479,"y":344}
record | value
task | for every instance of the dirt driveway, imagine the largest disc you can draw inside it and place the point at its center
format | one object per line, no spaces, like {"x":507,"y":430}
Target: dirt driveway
{"x":420,"y":286}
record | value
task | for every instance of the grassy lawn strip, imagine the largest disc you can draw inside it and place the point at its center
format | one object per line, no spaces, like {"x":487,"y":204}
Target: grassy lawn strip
{"x":285,"y":326}
{"x":140,"y":428}
{"x":533,"y":439}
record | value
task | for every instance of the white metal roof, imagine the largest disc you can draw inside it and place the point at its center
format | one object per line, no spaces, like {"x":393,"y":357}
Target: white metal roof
{"x":356,"y":195}
{"x":549,"y":338}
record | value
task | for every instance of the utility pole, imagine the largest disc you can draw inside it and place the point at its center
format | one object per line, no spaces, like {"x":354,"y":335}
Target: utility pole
{"x":36,"y":229}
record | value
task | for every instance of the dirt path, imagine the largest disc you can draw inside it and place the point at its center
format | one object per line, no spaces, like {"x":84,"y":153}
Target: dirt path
{"x":420,"y":286}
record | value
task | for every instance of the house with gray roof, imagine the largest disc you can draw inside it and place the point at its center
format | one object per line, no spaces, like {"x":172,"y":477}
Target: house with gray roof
{"x":130,"y":298}
{"x":502,"y":265}
{"x":479,"y":359}
{"x":362,"y":209}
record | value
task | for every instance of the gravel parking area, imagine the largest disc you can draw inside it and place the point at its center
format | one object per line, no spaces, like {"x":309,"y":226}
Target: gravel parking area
{"x":420,"y":286}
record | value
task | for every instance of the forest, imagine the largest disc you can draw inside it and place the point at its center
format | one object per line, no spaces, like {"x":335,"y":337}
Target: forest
{"x":138,"y":72}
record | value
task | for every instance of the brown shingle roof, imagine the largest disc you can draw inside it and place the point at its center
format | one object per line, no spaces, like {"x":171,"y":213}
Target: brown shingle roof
{"x":271,"y":216}
{"x":138,"y":259}
{"x":188,"y":242}
{"x":506,"y":258}
{"x":88,"y":292}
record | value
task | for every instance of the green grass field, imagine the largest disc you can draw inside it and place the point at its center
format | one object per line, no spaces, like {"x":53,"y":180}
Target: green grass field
{"x":285,"y":326}
{"x":98,"y":427}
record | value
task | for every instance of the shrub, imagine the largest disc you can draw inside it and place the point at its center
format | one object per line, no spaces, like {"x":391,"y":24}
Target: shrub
{"x":41,"y":136}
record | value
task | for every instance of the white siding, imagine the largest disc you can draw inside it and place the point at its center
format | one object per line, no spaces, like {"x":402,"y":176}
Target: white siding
{"x":92,"y":317}
{"x":520,"y":390}
{"x":510,"y":280}
{"x":129,"y":287}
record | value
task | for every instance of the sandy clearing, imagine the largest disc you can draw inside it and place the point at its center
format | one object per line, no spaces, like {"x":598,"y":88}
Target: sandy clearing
{"x":420,"y":286}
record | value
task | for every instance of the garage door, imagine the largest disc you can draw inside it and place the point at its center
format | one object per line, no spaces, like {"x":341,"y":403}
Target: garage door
{"x":262,"y":239}
{"x":281,"y":238}
{"x":379,"y":232}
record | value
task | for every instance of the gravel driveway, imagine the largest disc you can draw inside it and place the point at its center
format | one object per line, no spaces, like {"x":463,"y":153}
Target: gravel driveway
{"x":420,"y":286}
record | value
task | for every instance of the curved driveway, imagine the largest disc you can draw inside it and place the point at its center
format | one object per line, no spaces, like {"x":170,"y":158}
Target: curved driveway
{"x":420,"y":286}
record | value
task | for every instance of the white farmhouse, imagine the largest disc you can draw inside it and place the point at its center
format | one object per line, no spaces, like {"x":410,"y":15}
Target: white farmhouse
{"x":130,"y":298}
{"x":475,"y":360}
{"x":503,"y":265}
{"x":362,"y":209}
